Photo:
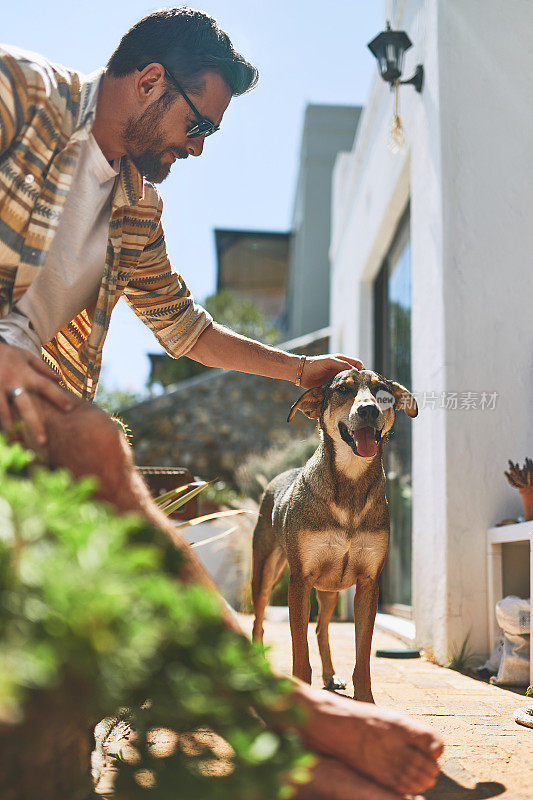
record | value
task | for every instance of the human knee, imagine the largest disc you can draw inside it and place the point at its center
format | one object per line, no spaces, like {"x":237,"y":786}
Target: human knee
{"x":105,"y":438}
{"x":87,"y":441}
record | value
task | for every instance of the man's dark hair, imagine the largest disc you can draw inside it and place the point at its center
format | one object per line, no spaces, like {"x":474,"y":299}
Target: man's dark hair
{"x":188,"y":43}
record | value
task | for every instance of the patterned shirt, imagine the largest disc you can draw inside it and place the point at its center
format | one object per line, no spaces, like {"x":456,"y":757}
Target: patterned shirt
{"x":46,"y":110}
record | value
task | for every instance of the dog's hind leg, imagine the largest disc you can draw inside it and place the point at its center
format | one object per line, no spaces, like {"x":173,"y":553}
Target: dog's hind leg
{"x":265,"y":576}
{"x":269,"y":561}
{"x":326,"y":606}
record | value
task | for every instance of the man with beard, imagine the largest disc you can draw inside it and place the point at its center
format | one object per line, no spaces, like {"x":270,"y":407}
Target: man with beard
{"x":79,"y":227}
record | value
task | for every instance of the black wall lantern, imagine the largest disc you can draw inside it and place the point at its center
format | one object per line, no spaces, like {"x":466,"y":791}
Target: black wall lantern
{"x":389,"y":48}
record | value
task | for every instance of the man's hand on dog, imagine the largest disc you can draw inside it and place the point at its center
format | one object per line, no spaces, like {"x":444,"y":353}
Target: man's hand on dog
{"x":21,"y":370}
{"x":318,"y":370}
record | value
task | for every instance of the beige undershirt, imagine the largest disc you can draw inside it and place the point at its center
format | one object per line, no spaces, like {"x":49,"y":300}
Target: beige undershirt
{"x":71,"y":277}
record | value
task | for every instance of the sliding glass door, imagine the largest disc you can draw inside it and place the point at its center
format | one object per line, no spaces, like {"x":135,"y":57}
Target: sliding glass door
{"x":392,"y":298}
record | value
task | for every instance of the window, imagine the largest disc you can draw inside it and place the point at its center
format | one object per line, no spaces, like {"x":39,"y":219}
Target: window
{"x":392,"y":300}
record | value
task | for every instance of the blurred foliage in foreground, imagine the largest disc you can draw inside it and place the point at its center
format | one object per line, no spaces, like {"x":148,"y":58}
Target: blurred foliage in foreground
{"x":90,"y":599}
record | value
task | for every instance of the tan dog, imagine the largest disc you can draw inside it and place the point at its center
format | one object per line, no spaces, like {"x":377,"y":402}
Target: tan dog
{"x":329,"y":519}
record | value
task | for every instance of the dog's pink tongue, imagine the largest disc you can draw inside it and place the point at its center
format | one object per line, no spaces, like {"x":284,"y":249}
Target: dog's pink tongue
{"x":365,"y":440}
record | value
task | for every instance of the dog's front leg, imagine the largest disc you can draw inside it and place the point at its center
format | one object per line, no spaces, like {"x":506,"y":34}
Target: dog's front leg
{"x":365,"y":608}
{"x":299,"y":607}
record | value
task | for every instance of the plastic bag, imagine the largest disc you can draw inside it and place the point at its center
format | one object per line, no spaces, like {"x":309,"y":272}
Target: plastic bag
{"x":513,"y":616}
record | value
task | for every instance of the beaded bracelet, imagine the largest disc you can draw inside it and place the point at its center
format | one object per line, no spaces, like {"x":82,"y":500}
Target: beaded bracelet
{"x":300,"y":370}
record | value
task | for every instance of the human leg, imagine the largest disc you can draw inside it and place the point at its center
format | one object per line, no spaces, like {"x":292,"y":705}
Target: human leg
{"x":391,"y":748}
{"x":332,"y":780}
{"x":388,"y":748}
{"x":86,"y":441}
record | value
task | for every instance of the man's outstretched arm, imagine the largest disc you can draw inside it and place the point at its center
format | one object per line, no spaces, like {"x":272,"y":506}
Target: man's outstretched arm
{"x":219,"y":347}
{"x":160,"y":298}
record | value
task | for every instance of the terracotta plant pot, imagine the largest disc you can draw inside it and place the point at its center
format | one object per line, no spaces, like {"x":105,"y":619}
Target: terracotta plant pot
{"x":163,"y":479}
{"x":526,"y":493}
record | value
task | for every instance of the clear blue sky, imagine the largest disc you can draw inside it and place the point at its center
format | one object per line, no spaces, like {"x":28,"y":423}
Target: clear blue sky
{"x":306,"y":51}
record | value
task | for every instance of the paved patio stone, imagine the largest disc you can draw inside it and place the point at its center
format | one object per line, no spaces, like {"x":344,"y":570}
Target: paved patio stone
{"x":487,"y":754}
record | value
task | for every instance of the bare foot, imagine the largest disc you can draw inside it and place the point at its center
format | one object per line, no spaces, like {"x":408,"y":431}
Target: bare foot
{"x":332,"y":780}
{"x":392,"y":749}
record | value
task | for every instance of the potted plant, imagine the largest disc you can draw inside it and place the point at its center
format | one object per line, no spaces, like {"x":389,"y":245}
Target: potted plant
{"x":522,"y":479}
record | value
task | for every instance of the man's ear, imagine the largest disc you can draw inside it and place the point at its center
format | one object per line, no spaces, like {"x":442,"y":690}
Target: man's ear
{"x":309,"y":404}
{"x":404,"y":400}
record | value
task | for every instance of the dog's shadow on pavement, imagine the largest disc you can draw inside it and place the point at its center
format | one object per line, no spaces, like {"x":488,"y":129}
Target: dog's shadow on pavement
{"x":448,"y":789}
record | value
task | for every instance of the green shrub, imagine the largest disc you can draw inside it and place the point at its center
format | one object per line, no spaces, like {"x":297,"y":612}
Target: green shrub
{"x":258,"y":469}
{"x":242,"y":316}
{"x":220,"y":494}
{"x":90,"y":599}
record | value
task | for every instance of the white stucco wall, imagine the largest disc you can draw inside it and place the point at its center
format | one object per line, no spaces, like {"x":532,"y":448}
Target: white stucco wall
{"x":487,"y":196}
{"x":468,"y":172}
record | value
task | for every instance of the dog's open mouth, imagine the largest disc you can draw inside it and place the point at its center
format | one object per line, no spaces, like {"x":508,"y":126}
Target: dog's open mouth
{"x":364,"y":441}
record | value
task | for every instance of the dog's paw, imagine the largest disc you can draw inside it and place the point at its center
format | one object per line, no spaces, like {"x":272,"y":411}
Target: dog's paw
{"x":334,"y":684}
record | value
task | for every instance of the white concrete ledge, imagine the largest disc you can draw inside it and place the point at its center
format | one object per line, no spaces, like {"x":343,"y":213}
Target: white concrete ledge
{"x":403,"y":629}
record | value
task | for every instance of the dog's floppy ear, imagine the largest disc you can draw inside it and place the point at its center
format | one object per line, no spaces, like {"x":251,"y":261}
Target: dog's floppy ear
{"x":404,"y":400}
{"x":309,"y":404}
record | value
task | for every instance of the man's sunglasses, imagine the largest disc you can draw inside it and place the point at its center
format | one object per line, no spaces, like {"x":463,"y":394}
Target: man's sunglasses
{"x":204,"y":126}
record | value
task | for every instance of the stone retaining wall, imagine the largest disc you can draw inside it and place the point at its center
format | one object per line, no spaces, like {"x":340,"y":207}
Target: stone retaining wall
{"x":209,"y":424}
